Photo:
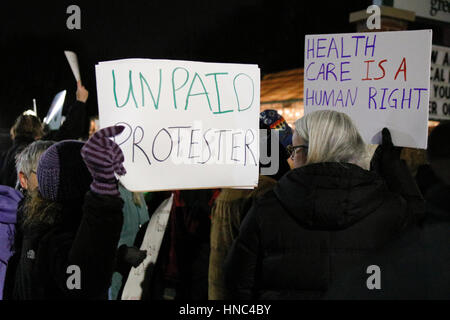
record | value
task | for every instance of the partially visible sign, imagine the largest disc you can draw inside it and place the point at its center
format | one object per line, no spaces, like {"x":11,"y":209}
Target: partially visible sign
{"x":440,"y":83}
{"x":151,"y":243}
{"x":429,"y":9}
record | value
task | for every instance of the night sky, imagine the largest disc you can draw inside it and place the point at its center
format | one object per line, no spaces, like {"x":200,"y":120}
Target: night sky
{"x":34,"y":36}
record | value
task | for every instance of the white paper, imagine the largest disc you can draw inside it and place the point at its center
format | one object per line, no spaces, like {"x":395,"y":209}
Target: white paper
{"x":151,"y":243}
{"x":167,"y":94}
{"x":391,"y":98}
{"x":73,"y":62}
{"x":54,"y":114}
{"x":35,"y":107}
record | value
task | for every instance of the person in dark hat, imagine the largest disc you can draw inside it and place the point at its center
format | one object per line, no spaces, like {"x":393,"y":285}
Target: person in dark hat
{"x":73,"y":221}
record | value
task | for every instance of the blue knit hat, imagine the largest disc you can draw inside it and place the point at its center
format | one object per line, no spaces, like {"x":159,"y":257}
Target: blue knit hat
{"x":62,"y":174}
{"x":271,"y":119}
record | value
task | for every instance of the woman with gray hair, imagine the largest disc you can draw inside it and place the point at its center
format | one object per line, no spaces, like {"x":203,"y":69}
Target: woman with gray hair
{"x":26,"y":166}
{"x":27,"y":162}
{"x":322,"y":217}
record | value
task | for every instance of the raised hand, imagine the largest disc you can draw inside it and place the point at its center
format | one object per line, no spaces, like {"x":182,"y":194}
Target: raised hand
{"x":386,"y":156}
{"x":82,"y":94}
{"x":103,"y":157}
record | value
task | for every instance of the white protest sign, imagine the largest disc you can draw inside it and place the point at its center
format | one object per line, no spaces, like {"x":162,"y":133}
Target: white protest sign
{"x":152,"y":243}
{"x":73,"y":62}
{"x":188,"y":125}
{"x":380,"y":79}
{"x":440,"y":83}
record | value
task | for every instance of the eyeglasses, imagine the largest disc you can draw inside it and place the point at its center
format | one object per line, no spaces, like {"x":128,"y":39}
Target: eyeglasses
{"x":293,"y":149}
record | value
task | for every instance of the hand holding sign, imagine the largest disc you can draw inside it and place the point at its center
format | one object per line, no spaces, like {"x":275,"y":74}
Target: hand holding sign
{"x":132,"y":255}
{"x":386,"y":154}
{"x":387,"y":163}
{"x":103,"y":158}
{"x":82,"y":93}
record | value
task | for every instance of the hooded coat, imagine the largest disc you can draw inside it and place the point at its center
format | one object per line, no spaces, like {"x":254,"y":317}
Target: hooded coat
{"x":318,"y":221}
{"x":416,"y":266}
{"x":9,"y":200}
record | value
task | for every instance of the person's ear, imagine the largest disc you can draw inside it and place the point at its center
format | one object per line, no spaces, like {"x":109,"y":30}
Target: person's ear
{"x":23,"y":180}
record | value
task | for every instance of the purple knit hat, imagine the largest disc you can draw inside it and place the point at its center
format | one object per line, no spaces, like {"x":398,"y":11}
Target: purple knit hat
{"x":62,"y":174}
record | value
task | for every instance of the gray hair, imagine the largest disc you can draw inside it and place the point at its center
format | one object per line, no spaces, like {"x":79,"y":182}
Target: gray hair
{"x":27,"y":161}
{"x":331,"y":137}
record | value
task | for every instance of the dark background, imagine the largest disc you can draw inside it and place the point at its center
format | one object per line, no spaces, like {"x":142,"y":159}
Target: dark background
{"x":34,"y":35}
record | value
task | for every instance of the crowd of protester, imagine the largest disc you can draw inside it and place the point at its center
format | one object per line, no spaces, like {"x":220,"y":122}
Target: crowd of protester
{"x":310,"y":230}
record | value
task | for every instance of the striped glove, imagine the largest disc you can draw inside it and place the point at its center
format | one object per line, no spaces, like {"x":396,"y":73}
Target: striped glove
{"x":103,"y":157}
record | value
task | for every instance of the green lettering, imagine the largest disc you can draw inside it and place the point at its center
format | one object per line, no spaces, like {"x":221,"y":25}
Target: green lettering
{"x":156,"y":103}
{"x":197,"y":94}
{"x":217,"y":90}
{"x":173,"y":84}
{"x":237,"y":96}
{"x":130,"y":91}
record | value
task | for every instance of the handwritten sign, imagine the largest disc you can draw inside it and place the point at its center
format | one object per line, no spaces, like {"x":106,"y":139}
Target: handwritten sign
{"x":188,"y":125}
{"x":380,"y":79}
{"x":440,"y":83}
{"x":152,"y":243}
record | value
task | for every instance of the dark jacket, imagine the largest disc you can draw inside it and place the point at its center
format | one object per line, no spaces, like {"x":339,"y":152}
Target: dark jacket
{"x":73,"y":127}
{"x":85,"y":237}
{"x":318,"y":221}
{"x":416,"y":266}
{"x":438,"y":204}
{"x":8,"y":173}
{"x":181,"y":269}
{"x":226,"y":216}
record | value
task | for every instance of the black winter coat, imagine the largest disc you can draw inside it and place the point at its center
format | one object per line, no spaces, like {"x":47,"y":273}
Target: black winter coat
{"x":318,"y":221}
{"x":417,"y":266}
{"x":86,"y":238}
{"x":8,"y":173}
{"x":73,"y":127}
